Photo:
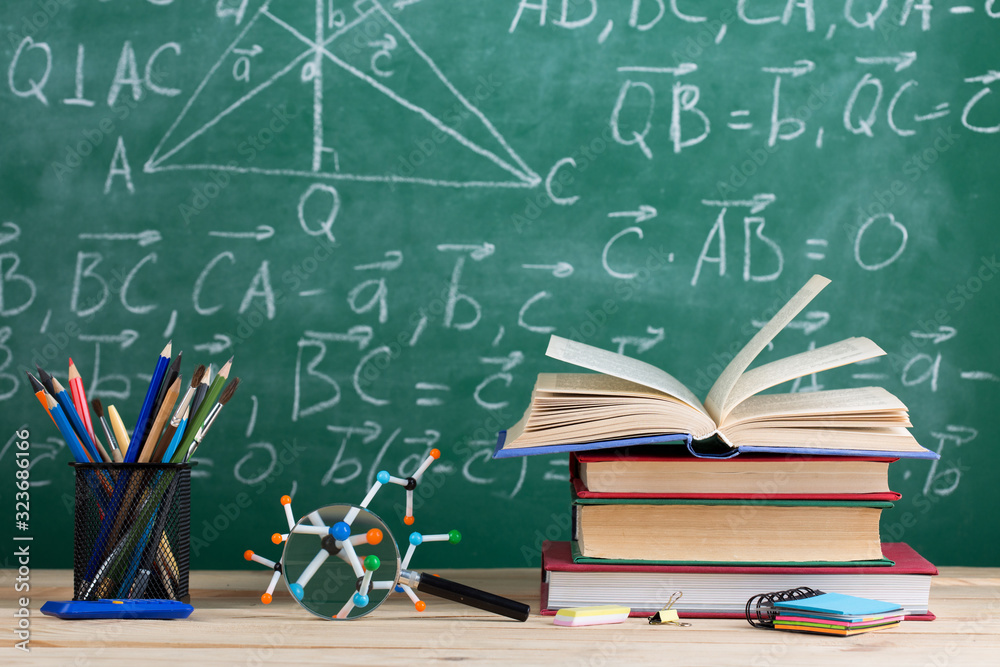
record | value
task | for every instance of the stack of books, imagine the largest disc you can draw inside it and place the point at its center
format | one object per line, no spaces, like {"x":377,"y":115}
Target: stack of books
{"x":773,"y":491}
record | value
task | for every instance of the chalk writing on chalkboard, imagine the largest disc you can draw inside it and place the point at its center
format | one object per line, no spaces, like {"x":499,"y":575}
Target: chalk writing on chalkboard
{"x":362,"y":41}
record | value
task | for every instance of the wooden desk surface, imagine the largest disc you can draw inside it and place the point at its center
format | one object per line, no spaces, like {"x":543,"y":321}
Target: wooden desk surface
{"x":230,"y":626}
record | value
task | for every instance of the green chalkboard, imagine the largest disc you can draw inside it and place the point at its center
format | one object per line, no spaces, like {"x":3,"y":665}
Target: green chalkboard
{"x":383,"y":209}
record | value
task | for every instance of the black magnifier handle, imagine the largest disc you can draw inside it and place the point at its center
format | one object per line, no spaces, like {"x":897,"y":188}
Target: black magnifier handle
{"x":473,"y":597}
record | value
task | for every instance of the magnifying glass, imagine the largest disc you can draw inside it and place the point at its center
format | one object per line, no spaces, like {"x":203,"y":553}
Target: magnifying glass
{"x":341,"y":562}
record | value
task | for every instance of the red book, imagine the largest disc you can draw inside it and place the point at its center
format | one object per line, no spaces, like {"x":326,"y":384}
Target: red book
{"x":713,"y":591}
{"x":617,"y":474}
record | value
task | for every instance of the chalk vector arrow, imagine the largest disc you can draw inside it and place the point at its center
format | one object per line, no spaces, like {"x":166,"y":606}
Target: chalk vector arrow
{"x":145,"y":238}
{"x":644,"y":213}
{"x":937,"y":337}
{"x":798,"y":69}
{"x":370,"y":430}
{"x":219,"y":343}
{"x":262,"y":233}
{"x":902,"y":61}
{"x":125,"y":338}
{"x":360,"y":334}
{"x":476,"y":252}
{"x":13,"y":235}
{"x":559,"y":270}
{"x":680,"y":70}
{"x":641,"y":343}
{"x":985,"y":79}
{"x":814,"y":321}
{"x":759,"y":202}
{"x":505,"y":363}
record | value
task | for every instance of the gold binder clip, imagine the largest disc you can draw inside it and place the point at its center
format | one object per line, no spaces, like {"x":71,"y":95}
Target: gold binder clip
{"x":668,"y":615}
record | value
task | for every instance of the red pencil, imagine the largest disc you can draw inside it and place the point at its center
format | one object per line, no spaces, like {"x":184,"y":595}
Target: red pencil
{"x":80,"y":399}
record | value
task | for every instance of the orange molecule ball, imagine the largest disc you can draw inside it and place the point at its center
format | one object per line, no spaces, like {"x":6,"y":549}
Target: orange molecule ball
{"x":276,"y":538}
{"x":421,"y":605}
{"x":266,"y":598}
{"x":435,"y":453}
{"x":408,"y":520}
{"x":248,"y":554}
{"x":286,"y":500}
{"x":374,"y":536}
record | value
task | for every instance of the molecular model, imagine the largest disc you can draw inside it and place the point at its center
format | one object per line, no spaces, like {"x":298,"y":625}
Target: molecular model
{"x":337,"y":540}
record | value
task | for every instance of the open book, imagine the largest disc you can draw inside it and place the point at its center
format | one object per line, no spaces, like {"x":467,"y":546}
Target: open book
{"x":630,"y":402}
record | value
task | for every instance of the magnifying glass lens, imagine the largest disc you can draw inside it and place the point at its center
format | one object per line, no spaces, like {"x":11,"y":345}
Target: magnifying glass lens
{"x":340,"y":562}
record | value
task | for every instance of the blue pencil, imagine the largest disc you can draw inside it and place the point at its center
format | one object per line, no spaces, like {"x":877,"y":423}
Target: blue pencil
{"x":66,"y":403}
{"x":67,"y":431}
{"x":135,"y":444}
{"x":177,"y":436}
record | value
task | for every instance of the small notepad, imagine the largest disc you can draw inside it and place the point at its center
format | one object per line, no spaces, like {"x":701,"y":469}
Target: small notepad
{"x":836,"y":604}
{"x":813,"y":611}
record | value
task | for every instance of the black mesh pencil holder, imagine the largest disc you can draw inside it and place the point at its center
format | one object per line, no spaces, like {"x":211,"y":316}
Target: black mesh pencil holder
{"x":131,"y":530}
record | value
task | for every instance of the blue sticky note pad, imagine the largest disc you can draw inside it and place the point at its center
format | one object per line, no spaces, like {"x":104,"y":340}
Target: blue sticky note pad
{"x":79,"y":609}
{"x":843,"y":605}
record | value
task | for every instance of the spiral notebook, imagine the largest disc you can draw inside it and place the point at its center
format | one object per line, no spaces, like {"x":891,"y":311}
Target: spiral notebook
{"x":813,"y":611}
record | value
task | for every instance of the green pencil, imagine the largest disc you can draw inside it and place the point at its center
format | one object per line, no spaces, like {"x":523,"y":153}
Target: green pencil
{"x":196,"y":420}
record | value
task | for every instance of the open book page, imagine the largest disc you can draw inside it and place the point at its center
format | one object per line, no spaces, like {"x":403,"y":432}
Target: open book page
{"x":858,"y":401}
{"x":890,"y":440}
{"x":592,"y":383}
{"x":562,"y":399}
{"x":752,"y":382}
{"x":620,"y":366}
{"x":608,"y":427}
{"x":718,"y":395}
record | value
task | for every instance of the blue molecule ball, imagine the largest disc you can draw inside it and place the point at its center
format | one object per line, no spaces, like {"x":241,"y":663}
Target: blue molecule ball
{"x":382,"y":476}
{"x":416,"y":539}
{"x":340,"y":531}
{"x":360,"y":600}
{"x":399,"y":589}
{"x":296,"y":590}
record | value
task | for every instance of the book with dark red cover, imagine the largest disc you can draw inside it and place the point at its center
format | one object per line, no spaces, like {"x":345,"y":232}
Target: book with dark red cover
{"x":581,"y":491}
{"x":558,"y":557}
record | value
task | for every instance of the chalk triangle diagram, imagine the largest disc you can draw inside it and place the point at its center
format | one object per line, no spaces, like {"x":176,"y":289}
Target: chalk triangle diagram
{"x":341,"y":95}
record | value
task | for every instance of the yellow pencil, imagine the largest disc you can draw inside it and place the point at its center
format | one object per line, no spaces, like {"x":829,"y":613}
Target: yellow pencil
{"x":119,"y":427}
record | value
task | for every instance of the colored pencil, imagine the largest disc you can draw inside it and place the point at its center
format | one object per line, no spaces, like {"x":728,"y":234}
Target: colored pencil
{"x":176,"y":440}
{"x":227,"y":394}
{"x":161,"y":418}
{"x":79,"y":395}
{"x":179,"y":413}
{"x":66,"y":403}
{"x":59,"y":417}
{"x":39,"y":390}
{"x":135,"y":443}
{"x":116,"y":454}
{"x":119,"y":427}
{"x":199,"y":395}
{"x":195,"y":422}
{"x":173,"y":371}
